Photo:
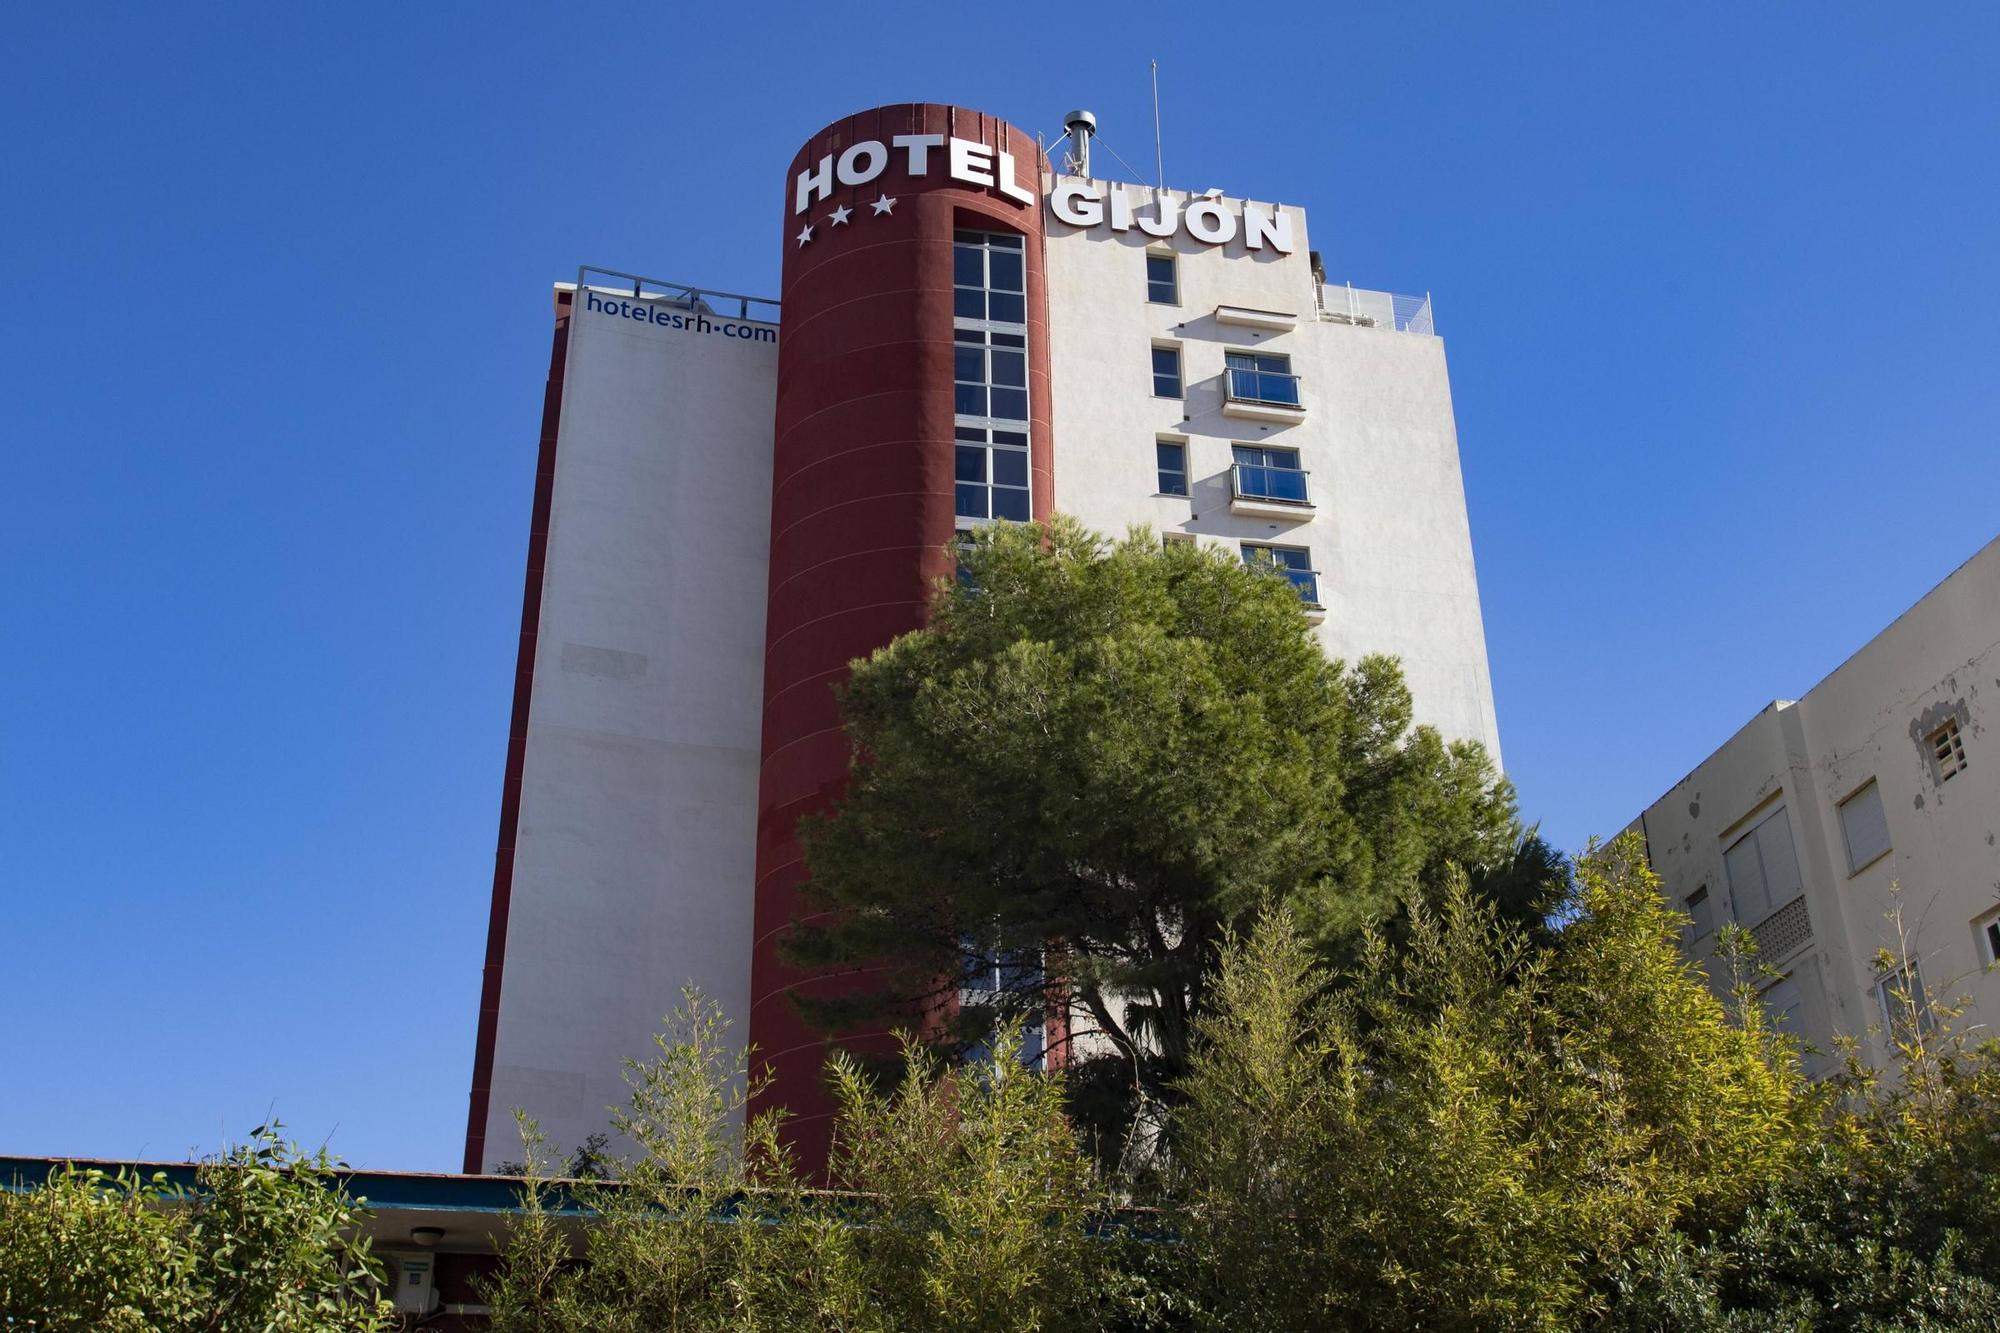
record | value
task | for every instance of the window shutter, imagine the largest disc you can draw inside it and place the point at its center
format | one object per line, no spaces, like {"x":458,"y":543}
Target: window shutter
{"x":1781,"y":861}
{"x":1866,"y":826}
{"x":1746,"y":878}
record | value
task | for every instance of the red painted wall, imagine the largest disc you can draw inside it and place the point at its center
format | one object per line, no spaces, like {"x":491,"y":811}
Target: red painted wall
{"x":517,"y":748}
{"x":861,"y":495}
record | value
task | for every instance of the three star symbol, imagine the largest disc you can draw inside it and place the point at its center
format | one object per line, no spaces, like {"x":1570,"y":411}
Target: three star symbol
{"x":881,"y":207}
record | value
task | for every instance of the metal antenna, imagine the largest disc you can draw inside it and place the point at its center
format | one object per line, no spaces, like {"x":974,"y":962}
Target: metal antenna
{"x":1159,"y":157}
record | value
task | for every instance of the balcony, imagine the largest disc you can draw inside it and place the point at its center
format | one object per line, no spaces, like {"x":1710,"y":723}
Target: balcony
{"x":1261,"y":395}
{"x":1257,"y":491}
{"x":1307,"y":583}
{"x":1304,"y":581}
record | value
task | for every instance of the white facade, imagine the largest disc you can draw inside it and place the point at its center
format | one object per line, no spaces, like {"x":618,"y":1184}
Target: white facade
{"x":1885,"y":773}
{"x":634,"y":855}
{"x":1385,"y":527}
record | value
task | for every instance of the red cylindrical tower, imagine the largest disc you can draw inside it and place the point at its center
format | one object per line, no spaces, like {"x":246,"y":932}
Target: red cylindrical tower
{"x":872,"y":408}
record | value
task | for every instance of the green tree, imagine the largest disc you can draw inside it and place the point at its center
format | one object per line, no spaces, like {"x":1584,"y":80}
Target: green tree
{"x":1104,"y":755}
{"x":978,"y":1195}
{"x":1891,"y":1218}
{"x":86,"y":1251}
{"x":686,"y":1232}
{"x":268,"y":1238}
{"x":967,"y":1208}
{"x":1467,"y":1133}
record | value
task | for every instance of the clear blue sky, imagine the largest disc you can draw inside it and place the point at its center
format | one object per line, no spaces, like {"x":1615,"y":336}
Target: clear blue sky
{"x":1717,"y":283}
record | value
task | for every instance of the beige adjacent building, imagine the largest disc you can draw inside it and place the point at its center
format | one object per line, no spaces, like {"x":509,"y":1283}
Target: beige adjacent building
{"x":1886,"y":773}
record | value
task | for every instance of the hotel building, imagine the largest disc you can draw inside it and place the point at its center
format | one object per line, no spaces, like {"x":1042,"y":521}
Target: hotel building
{"x":732,"y":504}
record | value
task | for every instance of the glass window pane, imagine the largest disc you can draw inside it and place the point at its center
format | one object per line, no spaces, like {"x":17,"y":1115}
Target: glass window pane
{"x":1010,"y":404}
{"x":1009,"y":308}
{"x":1007,"y":340}
{"x":968,"y":267}
{"x":971,"y":501}
{"x":1010,"y":468}
{"x":1002,"y":240}
{"x":974,"y":434}
{"x":1019,"y":439}
{"x":1171,"y":455}
{"x":971,"y":464}
{"x":1010,"y":368}
{"x":1005,"y":272}
{"x":970,"y":400}
{"x":1010,"y":504}
{"x":969,"y":303}
{"x":969,"y":364}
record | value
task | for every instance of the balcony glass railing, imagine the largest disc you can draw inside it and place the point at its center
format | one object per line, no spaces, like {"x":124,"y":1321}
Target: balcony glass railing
{"x":1253,"y":481}
{"x":1262,"y":386}
{"x":1305,"y":581}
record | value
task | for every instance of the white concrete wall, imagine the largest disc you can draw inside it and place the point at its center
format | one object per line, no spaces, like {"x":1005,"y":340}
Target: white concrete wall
{"x":1868,"y":720}
{"x":635,"y":855}
{"x":1387,"y":531}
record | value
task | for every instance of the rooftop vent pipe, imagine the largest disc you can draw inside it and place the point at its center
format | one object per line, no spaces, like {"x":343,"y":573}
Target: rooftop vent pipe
{"x":1081,"y":126}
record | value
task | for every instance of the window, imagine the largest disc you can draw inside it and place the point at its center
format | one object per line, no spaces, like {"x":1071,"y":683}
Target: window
{"x":1948,"y":749}
{"x":1988,"y":931}
{"x":961,"y":542}
{"x":1763,"y":868}
{"x":1701,"y":913}
{"x":990,"y":981}
{"x":1905,"y":1002}
{"x":1163,"y":285}
{"x":1172,"y":457}
{"x":1781,"y":1004}
{"x":1294,"y":562}
{"x":991,"y":474}
{"x":990,"y":377}
{"x":1177,"y":539}
{"x":1865,"y":826}
{"x":989,"y":277}
{"x":1166,"y":372}
{"x":1262,"y":473}
{"x":990,"y":374}
{"x":1258,"y":377}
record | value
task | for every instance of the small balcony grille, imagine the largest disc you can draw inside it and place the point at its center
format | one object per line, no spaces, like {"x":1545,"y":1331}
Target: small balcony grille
{"x":1783,"y":931}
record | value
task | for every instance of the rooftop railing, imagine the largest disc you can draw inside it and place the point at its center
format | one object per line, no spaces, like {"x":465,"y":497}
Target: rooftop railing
{"x":1344,"y":303}
{"x":679,"y":293}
